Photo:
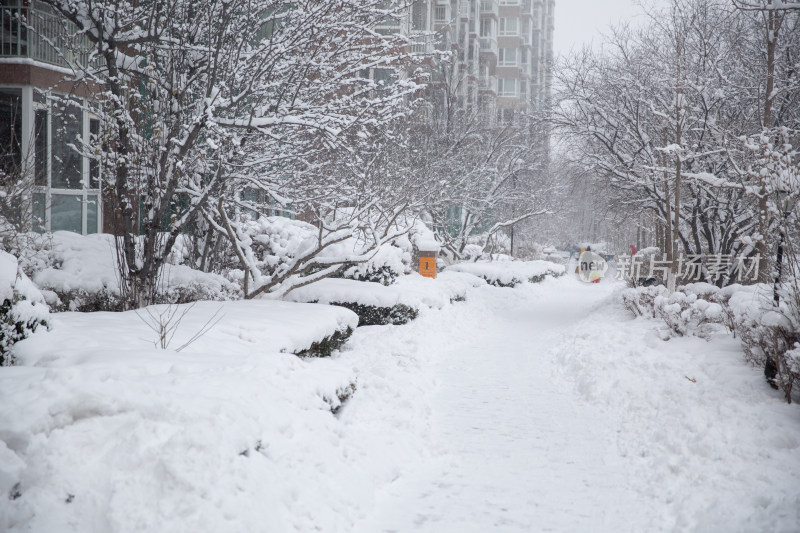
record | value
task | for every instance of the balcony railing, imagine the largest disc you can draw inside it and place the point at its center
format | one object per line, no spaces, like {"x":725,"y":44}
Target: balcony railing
{"x":34,"y":31}
{"x":423,"y":43}
{"x":489,"y":45}
{"x":487,"y":84}
{"x":490,"y":7}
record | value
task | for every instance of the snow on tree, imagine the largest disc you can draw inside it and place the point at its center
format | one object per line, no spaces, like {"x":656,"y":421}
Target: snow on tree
{"x":484,"y":176}
{"x":660,"y":112}
{"x":200,"y":101}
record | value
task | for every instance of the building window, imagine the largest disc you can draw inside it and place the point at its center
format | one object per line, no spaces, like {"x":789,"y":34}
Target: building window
{"x":508,"y":26}
{"x":419,"y":16}
{"x":11,"y":161}
{"x":487,"y":27}
{"x":440,"y":14}
{"x":508,"y":57}
{"x":507,"y":87}
{"x":66,"y":182}
{"x":11,"y":132}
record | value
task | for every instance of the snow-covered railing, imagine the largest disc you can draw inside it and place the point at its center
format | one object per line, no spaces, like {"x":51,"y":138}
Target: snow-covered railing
{"x":32,"y":30}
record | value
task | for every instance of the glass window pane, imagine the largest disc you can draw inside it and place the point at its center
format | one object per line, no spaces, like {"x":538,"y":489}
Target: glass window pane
{"x":67,"y":170}
{"x":11,"y":130}
{"x":39,"y":205}
{"x":66,"y":213}
{"x":91,"y":213}
{"x":41,"y":147}
{"x":94,"y":164}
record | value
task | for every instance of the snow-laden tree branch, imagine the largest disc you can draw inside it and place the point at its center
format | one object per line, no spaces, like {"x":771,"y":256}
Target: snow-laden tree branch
{"x":202,"y":100}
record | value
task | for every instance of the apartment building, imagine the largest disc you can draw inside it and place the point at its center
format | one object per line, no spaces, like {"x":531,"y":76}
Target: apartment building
{"x":504,"y":49}
{"x":44,"y":111}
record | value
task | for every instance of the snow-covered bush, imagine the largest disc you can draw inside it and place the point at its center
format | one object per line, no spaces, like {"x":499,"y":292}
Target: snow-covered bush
{"x":374,"y":303}
{"x":278,"y":254}
{"x":80,"y":273}
{"x":22,"y":307}
{"x":768,"y":333}
{"x":373,"y":315}
{"x":391,"y":260}
{"x":324,"y":348}
{"x":685,"y":312}
{"x":641,"y":300}
{"x":510,"y":273}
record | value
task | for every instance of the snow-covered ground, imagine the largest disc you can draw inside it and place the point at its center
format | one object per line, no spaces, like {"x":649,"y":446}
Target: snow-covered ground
{"x":539,"y":408}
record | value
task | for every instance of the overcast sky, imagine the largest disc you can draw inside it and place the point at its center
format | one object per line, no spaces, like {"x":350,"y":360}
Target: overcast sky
{"x":579,"y":21}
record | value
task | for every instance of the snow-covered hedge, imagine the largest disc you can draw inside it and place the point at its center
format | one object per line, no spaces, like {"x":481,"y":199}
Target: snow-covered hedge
{"x":510,"y":273}
{"x":769,"y":334}
{"x":22,"y":307}
{"x":683,"y":312}
{"x":230,"y":413}
{"x":242,"y":328}
{"x":377,"y":304}
{"x":79,"y":273}
{"x":374,"y":303}
{"x":448,"y":287}
{"x":391,"y":260}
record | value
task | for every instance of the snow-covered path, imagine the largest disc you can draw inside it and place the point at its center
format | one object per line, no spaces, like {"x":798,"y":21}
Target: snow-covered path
{"x":513,"y":451}
{"x":531,"y":432}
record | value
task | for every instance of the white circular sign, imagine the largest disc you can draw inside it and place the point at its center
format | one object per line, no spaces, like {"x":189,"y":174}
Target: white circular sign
{"x":592,"y":267}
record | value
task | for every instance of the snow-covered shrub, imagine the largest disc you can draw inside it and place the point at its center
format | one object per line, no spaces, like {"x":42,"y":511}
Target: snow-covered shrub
{"x":391,"y":260}
{"x":769,"y":334}
{"x":792,"y":370}
{"x":22,"y":307}
{"x":280,"y":254}
{"x":326,"y":346}
{"x":373,"y":315}
{"x":374,"y":303}
{"x":641,"y":300}
{"x":684,"y":312}
{"x":80,"y":273}
{"x":510,"y":273}
{"x":181,"y":284}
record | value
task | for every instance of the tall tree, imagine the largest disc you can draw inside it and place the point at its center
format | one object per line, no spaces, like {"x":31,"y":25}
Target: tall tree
{"x":200,"y":98}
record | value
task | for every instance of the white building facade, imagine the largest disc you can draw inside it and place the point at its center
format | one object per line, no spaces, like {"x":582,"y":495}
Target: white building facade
{"x":503,"y":49}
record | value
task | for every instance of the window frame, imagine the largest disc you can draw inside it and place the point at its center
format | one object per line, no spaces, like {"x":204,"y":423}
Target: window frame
{"x":85,"y":193}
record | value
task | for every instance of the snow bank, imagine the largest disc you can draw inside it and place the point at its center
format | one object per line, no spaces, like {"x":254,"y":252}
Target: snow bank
{"x":509,"y":273}
{"x":106,"y":434}
{"x":710,"y":445}
{"x":237,"y":328}
{"x":156,"y":441}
